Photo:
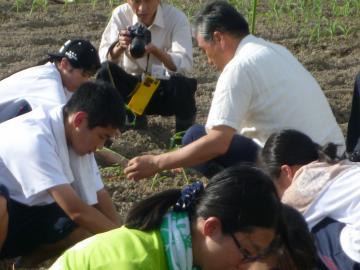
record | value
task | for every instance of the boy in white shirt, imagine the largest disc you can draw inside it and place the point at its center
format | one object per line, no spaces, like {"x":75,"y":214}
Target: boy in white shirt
{"x":43,"y":213}
{"x":51,"y":83}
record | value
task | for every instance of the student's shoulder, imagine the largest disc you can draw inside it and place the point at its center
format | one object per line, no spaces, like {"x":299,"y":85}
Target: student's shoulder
{"x":32,"y":129}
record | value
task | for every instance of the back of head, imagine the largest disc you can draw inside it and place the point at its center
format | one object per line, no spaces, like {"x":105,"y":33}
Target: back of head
{"x":220,"y":16}
{"x":80,"y":53}
{"x":102,"y":103}
{"x":242,"y":197}
{"x":290,"y":147}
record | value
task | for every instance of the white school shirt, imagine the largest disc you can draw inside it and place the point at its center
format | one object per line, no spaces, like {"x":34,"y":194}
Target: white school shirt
{"x":264,"y":89}
{"x":170,"y":32}
{"x":340,"y":200}
{"x":39,"y":85}
{"x":31,"y":164}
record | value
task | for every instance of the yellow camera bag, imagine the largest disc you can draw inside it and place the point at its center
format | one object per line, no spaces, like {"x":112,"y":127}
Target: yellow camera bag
{"x":143,"y":93}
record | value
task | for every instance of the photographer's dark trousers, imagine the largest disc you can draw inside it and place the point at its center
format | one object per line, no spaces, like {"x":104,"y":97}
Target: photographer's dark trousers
{"x":241,"y":149}
{"x":173,"y":97}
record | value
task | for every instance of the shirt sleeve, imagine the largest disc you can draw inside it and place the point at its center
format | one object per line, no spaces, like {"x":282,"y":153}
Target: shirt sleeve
{"x":181,"y":45}
{"x":231,"y":99}
{"x":111,"y":32}
{"x":40,"y":169}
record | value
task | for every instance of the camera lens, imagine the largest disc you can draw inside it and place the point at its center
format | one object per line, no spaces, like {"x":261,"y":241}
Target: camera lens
{"x":137,"y":48}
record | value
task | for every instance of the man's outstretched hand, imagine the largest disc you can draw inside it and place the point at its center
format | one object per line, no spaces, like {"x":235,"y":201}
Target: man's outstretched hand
{"x":141,"y":167}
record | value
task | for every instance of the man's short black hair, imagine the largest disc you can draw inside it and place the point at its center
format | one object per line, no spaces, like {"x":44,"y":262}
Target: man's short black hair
{"x":220,"y":16}
{"x":101,"y":101}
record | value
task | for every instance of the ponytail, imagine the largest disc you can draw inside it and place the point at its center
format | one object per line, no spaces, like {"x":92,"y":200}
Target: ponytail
{"x":328,"y":153}
{"x":291,"y":147}
{"x":147,"y":214}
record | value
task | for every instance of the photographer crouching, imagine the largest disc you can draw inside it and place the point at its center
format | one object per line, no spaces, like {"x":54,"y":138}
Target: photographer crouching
{"x":146,"y":51}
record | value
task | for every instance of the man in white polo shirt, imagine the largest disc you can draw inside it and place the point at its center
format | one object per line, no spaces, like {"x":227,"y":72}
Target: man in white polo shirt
{"x":262,"y":88}
{"x":40,"y":159}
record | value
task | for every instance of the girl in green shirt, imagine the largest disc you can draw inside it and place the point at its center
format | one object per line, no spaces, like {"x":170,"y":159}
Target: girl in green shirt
{"x":231,"y":222}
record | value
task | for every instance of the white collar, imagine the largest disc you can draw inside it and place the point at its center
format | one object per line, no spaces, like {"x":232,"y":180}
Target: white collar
{"x":248,"y":38}
{"x":158,"y":21}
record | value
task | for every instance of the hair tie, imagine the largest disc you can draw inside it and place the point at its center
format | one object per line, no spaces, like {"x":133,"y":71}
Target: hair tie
{"x":188,"y":196}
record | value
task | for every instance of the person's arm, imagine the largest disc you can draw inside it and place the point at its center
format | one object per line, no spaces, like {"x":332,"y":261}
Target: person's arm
{"x":214,"y":144}
{"x":106,"y":206}
{"x":109,"y":44}
{"x":178,"y":58}
{"x":85,"y":216}
{"x":163,"y":56}
{"x":120,"y":46}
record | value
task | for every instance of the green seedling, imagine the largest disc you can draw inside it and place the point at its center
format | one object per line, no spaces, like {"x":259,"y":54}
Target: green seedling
{"x":39,"y":4}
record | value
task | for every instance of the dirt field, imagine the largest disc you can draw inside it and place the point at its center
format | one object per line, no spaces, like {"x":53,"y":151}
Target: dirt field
{"x":25,"y":39}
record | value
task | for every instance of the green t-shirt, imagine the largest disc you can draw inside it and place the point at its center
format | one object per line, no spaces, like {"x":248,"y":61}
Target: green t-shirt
{"x":122,"y":248}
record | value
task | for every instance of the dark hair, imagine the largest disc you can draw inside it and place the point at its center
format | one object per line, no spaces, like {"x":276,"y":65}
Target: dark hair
{"x":292,"y":147}
{"x":299,"y":251}
{"x":220,"y":16}
{"x":101,"y":101}
{"x":242,"y":197}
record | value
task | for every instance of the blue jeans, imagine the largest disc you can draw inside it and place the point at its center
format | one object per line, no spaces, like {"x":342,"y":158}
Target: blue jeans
{"x":241,"y":150}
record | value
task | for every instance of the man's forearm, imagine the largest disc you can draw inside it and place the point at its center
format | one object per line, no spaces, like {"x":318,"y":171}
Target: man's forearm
{"x":199,"y":151}
{"x":165,"y":58}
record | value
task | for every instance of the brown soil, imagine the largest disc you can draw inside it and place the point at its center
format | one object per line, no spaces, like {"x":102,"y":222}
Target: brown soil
{"x":26,"y":38}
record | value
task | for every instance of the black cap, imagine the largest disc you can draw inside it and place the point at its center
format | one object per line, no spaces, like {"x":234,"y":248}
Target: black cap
{"x":80,"y":53}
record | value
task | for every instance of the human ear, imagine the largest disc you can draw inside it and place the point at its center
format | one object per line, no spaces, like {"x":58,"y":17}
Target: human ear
{"x":79,"y":118}
{"x":217,"y":36}
{"x":65,"y":64}
{"x":211,"y":226}
{"x":286,"y":175}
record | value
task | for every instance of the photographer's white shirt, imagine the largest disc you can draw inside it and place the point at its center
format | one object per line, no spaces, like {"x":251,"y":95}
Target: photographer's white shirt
{"x":170,"y":32}
{"x":264,"y":89}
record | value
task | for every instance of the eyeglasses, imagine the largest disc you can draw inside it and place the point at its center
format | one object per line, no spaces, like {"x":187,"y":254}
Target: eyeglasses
{"x":247,"y":257}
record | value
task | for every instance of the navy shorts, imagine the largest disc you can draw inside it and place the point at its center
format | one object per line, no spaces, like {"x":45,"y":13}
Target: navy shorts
{"x":241,"y":150}
{"x":32,"y":226}
{"x":326,"y":234}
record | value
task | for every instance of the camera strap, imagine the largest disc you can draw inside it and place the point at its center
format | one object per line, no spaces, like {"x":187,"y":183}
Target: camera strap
{"x":143,"y":93}
{"x":147,"y":63}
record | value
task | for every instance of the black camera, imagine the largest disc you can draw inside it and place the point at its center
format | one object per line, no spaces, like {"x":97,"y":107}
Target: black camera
{"x":140,"y":36}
